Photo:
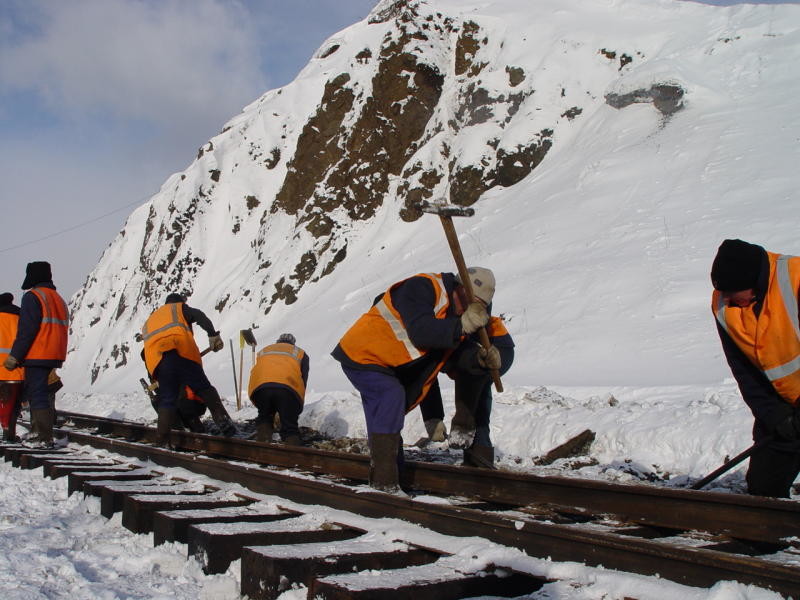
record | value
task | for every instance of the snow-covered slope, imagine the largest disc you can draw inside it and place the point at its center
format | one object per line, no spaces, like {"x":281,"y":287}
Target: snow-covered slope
{"x":607,"y":147}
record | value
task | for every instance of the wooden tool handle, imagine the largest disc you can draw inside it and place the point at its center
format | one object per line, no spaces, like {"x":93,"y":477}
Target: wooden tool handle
{"x":455,"y":248}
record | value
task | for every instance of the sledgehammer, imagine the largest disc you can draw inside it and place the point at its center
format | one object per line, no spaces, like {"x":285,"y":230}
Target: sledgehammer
{"x":446,"y":213}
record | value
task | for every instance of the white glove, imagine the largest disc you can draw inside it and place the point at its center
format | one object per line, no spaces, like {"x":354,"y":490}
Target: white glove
{"x":216,"y":343}
{"x":474,"y":318}
{"x":489,"y":358}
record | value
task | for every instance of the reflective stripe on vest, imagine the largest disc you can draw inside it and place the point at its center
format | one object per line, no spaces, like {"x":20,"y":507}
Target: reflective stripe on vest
{"x":175,"y":322}
{"x":775,"y":334}
{"x":170,"y":331}
{"x":50,"y":342}
{"x":379,"y":336}
{"x":279,"y":363}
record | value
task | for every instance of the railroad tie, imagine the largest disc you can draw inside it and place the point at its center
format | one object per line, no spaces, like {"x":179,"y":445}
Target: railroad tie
{"x":216,"y":545}
{"x":173,"y":525}
{"x":268,"y":571}
{"x":78,"y":478}
{"x":138,"y":509}
{"x":436,"y":581}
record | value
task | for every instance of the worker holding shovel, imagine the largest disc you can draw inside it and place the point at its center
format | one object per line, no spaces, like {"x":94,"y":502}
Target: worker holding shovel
{"x":755,"y":302}
{"x":174,"y":361}
{"x":394,"y":351}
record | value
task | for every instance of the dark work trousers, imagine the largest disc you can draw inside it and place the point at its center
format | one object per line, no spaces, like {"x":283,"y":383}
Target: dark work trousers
{"x":173,"y":373}
{"x":771,"y":472}
{"x":474,"y":393}
{"x":269,"y":400}
{"x":383,"y":398}
{"x":35,"y":392}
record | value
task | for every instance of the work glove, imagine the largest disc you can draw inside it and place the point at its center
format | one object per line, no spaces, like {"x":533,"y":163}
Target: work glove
{"x":489,"y":358}
{"x":216,"y":343}
{"x":10,"y":363}
{"x":474,"y":318}
{"x":789,"y":428}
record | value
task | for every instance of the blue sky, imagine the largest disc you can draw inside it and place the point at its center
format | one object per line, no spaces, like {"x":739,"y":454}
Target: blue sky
{"x":101,"y":100}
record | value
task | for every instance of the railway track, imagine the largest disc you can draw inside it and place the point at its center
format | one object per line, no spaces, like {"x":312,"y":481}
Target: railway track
{"x":691,"y":537}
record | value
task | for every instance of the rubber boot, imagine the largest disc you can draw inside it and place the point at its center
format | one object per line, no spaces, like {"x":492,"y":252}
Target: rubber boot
{"x":195,"y":425}
{"x":384,"y":473}
{"x":42,"y":426}
{"x":436,"y":430}
{"x":293,"y":440}
{"x":264,"y":431}
{"x":218,"y":413}
{"x":479,"y":456}
{"x":166,"y":418}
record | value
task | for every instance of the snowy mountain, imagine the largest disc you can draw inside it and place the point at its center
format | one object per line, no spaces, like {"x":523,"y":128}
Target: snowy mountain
{"x":607,"y":148}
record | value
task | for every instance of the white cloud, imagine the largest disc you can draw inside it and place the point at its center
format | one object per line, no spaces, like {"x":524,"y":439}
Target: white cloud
{"x":157,"y":61}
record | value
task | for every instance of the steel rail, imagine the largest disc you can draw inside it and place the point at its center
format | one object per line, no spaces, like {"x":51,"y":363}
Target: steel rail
{"x":687,"y":565}
{"x":740,"y":516}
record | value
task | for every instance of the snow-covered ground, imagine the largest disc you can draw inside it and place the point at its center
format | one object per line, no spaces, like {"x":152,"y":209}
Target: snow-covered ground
{"x":54,"y":546}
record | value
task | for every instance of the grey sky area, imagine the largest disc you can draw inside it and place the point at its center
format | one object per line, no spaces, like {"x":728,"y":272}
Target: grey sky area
{"x":101,"y":100}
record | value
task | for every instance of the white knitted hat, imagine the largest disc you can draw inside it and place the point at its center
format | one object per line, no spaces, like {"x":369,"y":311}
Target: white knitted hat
{"x":482,"y":283}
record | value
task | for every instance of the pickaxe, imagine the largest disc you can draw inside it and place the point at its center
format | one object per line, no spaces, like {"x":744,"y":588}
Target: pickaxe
{"x":446,"y":213}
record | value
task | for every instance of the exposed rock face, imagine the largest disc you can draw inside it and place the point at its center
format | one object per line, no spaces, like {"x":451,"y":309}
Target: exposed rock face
{"x":423,"y":105}
{"x":666,"y":97}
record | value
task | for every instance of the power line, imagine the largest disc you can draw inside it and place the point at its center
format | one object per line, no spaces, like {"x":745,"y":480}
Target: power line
{"x":78,"y":226}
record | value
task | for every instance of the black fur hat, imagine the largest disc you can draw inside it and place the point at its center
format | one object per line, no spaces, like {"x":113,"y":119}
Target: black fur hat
{"x":175,"y":298}
{"x":736,"y":266}
{"x":6,"y":299}
{"x":35,"y":273}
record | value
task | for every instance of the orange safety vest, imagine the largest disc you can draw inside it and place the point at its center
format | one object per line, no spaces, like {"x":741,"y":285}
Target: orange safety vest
{"x":278,"y":363}
{"x":495,"y":328}
{"x":50,"y":342}
{"x":166,"y":329}
{"x":379,"y":336}
{"x":8,"y":333}
{"x":771,"y":339}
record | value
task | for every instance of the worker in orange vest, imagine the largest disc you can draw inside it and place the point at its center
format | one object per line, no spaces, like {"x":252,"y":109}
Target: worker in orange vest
{"x":277,"y":383}
{"x":755,"y":302}
{"x":173,"y":359}
{"x":393,"y":353}
{"x":40,"y":345}
{"x":10,"y":381}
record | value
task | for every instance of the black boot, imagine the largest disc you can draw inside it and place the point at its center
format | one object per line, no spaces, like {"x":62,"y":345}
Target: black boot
{"x":479,"y":456}
{"x":218,"y":413}
{"x":292,"y":440}
{"x":195,"y":425}
{"x":264,"y":431}
{"x":166,"y":418}
{"x":42,"y":428}
{"x":384,"y":474}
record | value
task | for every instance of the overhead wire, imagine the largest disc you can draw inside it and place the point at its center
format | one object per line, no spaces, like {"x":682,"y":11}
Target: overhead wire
{"x":77,"y":226}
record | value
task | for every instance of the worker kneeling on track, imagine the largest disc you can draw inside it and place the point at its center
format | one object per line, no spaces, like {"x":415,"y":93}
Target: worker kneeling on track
{"x":174,"y":361}
{"x":393,"y":353}
{"x":278,"y":384}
